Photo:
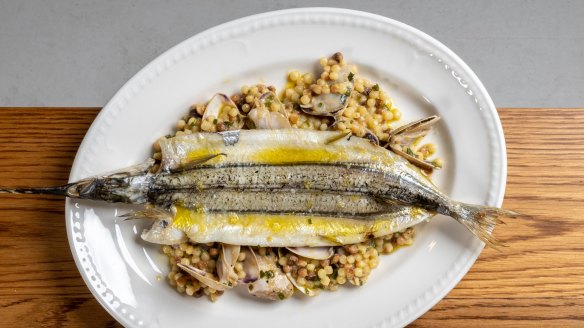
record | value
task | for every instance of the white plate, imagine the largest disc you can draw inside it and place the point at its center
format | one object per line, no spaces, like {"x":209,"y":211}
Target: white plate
{"x":424,"y":77}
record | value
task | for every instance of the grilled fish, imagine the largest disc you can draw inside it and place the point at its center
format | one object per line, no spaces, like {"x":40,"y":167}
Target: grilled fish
{"x":278,"y":188}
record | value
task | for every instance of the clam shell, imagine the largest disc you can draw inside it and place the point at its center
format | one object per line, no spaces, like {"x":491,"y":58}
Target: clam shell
{"x":204,"y":277}
{"x":315,"y":253}
{"x":263,"y":118}
{"x":250,"y":266}
{"x":226,"y":262}
{"x":218,"y":102}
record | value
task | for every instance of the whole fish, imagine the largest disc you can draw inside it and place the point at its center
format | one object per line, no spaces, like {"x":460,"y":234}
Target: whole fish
{"x":279,"y":188}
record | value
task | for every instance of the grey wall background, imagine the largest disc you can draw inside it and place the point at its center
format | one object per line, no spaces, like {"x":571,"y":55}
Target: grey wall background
{"x":528,"y":53}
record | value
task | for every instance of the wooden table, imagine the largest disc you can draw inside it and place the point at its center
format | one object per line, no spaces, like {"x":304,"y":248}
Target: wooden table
{"x":537,"y":281}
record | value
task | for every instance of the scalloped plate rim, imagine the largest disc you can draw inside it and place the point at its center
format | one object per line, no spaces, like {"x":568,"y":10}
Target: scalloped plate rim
{"x":473,"y":79}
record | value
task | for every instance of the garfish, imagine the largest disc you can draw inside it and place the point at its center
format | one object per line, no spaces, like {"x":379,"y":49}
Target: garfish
{"x":278,"y":188}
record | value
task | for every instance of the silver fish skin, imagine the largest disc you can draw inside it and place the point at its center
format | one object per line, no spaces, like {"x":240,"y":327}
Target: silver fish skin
{"x":275,"y":163}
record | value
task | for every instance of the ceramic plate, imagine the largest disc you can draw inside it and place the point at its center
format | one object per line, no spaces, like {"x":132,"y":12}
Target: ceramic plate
{"x":128,"y":276}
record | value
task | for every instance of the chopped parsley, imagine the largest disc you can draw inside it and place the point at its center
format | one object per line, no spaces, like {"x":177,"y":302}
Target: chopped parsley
{"x":269,"y":101}
{"x":168,"y":136}
{"x":320,"y":104}
{"x":375,"y":87}
{"x":409,"y":152}
{"x":193,"y":123}
{"x":350,"y":76}
{"x":250,"y":287}
{"x":335,"y":273}
{"x":267,"y":274}
{"x":281,"y":296}
{"x":215,"y":121}
{"x":309,"y":221}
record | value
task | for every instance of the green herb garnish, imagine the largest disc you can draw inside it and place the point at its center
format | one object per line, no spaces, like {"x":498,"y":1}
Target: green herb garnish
{"x":281,"y":296}
{"x":309,"y":221}
{"x":409,"y":152}
{"x":269,"y":101}
{"x":375,"y":87}
{"x":215,"y":121}
{"x":320,"y":104}
{"x":335,"y":273}
{"x":270,"y":274}
{"x":350,"y":77}
{"x":262,"y":274}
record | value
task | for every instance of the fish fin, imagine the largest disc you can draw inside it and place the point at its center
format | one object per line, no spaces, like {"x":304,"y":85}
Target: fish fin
{"x":481,"y":221}
{"x":148,"y":213}
{"x":336,"y":138}
{"x":332,"y":239}
{"x":197,"y":161}
{"x":131,"y":170}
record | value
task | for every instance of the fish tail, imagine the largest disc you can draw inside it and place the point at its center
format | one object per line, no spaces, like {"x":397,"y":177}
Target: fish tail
{"x":481,"y":220}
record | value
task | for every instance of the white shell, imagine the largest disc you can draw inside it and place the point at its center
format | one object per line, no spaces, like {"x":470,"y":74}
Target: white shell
{"x":331,"y":104}
{"x":250,"y":266}
{"x":273,"y":288}
{"x":203,"y":277}
{"x":215,"y":105}
{"x":226,"y":261}
{"x":315,"y":253}
{"x":302,"y":289}
{"x":263,"y":118}
{"x":326,"y":105}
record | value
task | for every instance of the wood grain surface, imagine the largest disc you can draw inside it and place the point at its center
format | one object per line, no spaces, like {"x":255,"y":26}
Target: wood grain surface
{"x":537,"y":281}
